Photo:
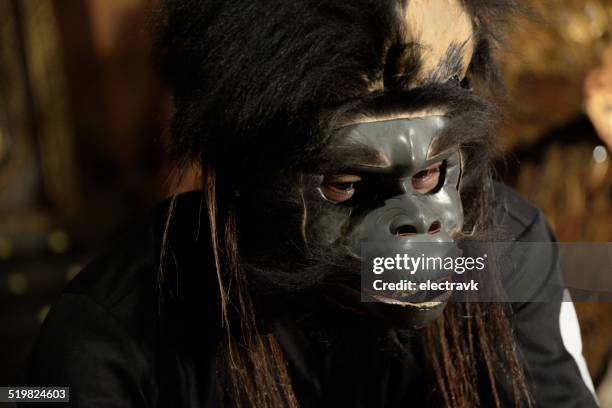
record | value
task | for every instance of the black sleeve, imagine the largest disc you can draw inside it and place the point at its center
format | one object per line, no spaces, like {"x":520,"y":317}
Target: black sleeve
{"x":82,"y":346}
{"x":547,"y":331}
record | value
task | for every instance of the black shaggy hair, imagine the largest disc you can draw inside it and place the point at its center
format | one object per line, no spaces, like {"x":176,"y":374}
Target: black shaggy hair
{"x":260,"y":85}
{"x":272,"y":73}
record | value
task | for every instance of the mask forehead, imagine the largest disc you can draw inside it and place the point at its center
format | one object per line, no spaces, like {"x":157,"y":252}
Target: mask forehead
{"x":401,"y":144}
{"x":442,"y":31}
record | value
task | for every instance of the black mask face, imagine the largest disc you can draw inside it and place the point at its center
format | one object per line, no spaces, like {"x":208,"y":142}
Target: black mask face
{"x":407,"y":193}
{"x":393,"y":190}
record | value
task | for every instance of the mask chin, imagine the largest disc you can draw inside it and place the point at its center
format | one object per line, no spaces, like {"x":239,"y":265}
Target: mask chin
{"x":400,"y":315}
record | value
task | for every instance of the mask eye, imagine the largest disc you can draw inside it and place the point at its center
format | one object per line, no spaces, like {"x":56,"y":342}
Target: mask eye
{"x":427,"y":181}
{"x":339,"y":188}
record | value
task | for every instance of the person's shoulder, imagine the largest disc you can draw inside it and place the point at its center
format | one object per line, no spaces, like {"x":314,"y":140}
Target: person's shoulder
{"x":115,"y":320}
{"x":126,"y":279}
{"x":108,"y":311}
{"x":102,"y":325}
{"x":121,"y":280}
{"x":100,"y":336}
{"x":528,"y":252}
{"x":131,"y":286}
{"x":516,"y":219}
{"x":126,"y":270}
{"x":122,"y":283}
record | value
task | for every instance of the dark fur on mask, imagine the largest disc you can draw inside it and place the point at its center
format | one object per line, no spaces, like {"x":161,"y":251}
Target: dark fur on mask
{"x":271,"y":76}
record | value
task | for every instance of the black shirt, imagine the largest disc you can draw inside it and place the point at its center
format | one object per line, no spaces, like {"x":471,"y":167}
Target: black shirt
{"x":115,"y":342}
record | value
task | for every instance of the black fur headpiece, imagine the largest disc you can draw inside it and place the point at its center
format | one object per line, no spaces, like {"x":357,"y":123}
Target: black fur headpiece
{"x":270,"y":76}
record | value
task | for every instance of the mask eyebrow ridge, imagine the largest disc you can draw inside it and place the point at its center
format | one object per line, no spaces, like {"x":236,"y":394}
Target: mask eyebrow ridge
{"x":352,"y":157}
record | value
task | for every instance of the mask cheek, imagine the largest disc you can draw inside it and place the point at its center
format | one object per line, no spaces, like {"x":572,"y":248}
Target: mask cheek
{"x":454,"y":171}
{"x":447,"y":201}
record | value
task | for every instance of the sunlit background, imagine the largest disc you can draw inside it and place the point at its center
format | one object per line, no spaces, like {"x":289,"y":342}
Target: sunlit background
{"x":83,"y":115}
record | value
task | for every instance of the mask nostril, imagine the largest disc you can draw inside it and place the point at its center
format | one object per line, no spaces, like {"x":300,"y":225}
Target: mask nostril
{"x":405,"y":230}
{"x":434,"y":228}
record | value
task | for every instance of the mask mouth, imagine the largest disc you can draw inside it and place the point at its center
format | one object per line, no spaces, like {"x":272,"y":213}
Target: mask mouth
{"x":422,"y":299}
{"x":431,"y":300}
{"x":403,"y":314}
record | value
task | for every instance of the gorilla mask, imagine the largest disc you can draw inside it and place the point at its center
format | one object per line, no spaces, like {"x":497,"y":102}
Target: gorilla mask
{"x":334,"y":123}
